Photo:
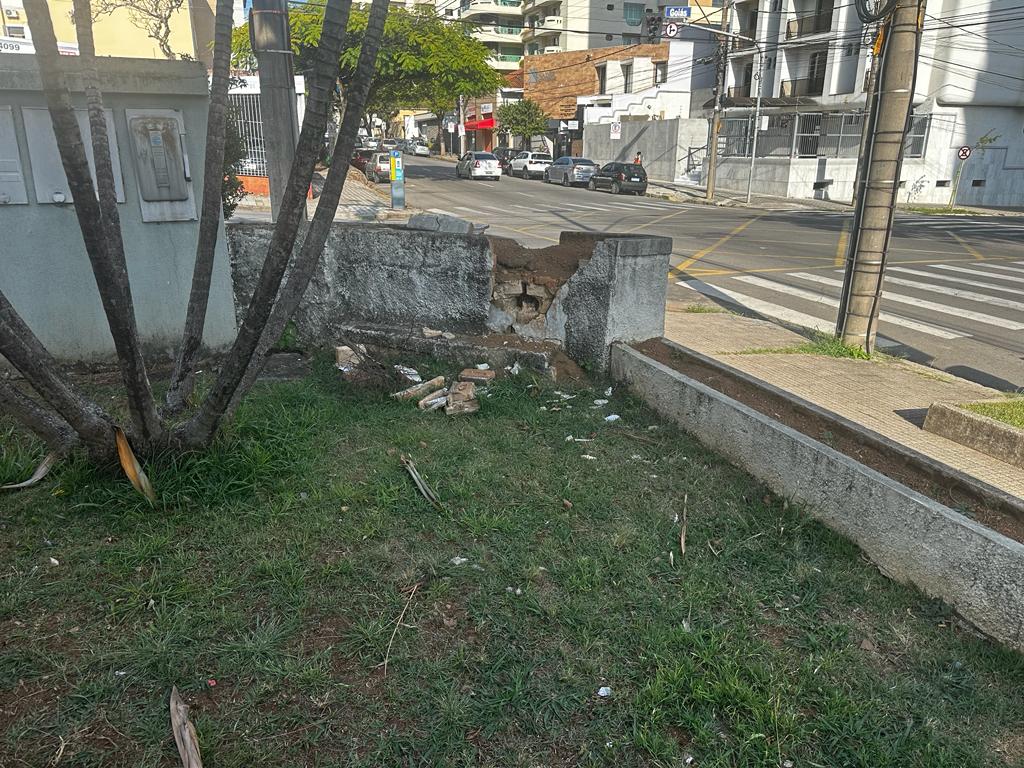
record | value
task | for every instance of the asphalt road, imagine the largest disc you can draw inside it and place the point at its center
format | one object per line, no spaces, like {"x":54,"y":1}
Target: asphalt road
{"x":954,"y":296}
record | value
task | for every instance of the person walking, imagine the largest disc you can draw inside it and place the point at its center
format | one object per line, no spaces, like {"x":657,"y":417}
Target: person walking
{"x":639,"y":159}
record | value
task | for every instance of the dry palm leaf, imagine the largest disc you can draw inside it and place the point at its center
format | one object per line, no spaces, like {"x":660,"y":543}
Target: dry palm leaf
{"x":131,"y":466}
{"x":184,"y":732}
{"x":41,"y":471}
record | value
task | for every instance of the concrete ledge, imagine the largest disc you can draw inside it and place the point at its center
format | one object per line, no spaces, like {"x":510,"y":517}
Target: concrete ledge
{"x":989,"y":436}
{"x":942,"y":474}
{"x":910,"y":537}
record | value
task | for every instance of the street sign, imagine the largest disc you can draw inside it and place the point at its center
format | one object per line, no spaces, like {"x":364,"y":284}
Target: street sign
{"x":963,"y":153}
{"x":486,"y":108}
{"x":462,"y":129}
{"x":574,"y":125}
{"x":397,"y":180}
{"x":616,"y":131}
{"x":671,"y":30}
{"x":450,"y":127}
{"x":397,"y":171}
{"x":562,"y":126}
{"x":677,"y":12}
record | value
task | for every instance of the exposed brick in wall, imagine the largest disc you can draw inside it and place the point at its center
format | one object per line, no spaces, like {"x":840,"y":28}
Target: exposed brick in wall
{"x":554,"y":80}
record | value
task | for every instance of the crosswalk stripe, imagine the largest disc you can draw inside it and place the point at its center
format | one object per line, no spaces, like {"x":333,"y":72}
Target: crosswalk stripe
{"x":964,"y":314}
{"x":885,"y":317}
{"x":993,"y":275}
{"x":471,"y":210}
{"x":958,"y":280}
{"x":765,"y":308}
{"x":995,"y":301}
{"x":990,"y":265}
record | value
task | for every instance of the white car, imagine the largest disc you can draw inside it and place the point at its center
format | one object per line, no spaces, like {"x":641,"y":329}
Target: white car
{"x":388,"y":144}
{"x":478,"y":165}
{"x":529,"y":165}
{"x":420,"y":149}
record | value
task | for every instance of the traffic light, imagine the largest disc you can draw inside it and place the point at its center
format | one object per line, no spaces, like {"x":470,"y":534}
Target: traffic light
{"x":653,"y":27}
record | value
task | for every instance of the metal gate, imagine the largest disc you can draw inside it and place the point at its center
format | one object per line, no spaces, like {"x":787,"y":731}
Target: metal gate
{"x":246,"y":107}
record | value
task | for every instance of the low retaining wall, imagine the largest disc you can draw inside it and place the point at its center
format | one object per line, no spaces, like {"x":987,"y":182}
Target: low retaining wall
{"x":910,"y":537}
{"x":583,"y":294}
{"x":975,"y":430}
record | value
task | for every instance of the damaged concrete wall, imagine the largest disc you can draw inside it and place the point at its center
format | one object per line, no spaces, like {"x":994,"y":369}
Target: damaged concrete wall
{"x":583,"y":294}
{"x":379,"y":274}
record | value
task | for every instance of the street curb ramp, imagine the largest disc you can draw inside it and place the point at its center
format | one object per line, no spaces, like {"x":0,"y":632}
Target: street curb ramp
{"x":911,"y":538}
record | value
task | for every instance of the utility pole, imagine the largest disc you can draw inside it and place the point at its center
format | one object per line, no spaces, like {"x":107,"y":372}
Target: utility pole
{"x":269,"y":35}
{"x":722,"y":60}
{"x":460,"y":120}
{"x":865,"y":263}
{"x":869,"y":108}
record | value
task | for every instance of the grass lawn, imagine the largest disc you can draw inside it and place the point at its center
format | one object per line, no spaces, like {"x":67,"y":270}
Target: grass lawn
{"x":276,"y":566}
{"x":1011,"y":411}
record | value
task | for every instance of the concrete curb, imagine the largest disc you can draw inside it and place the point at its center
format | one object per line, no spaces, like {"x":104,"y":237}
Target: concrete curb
{"x":943,"y":472}
{"x":975,"y":430}
{"x":911,"y":538}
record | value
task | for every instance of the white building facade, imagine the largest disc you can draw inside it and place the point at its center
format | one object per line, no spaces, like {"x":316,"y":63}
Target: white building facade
{"x":816,"y":58}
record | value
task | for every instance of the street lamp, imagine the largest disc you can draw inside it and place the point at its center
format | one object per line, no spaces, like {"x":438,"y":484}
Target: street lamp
{"x":757,"y":105}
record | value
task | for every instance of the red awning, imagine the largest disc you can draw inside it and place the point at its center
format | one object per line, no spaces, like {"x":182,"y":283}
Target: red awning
{"x":477,"y":125}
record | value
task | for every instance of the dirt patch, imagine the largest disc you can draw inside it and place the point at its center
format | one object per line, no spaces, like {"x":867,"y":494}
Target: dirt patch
{"x":834,"y":434}
{"x":559,"y":262}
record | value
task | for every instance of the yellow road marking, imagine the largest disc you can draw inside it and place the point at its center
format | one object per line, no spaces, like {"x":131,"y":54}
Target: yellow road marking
{"x":721,"y":241}
{"x":655,"y":221}
{"x":970,"y":249}
{"x":844,"y":237}
{"x":526,"y":232}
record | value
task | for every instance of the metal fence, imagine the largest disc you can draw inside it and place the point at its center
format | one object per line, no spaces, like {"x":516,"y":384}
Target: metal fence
{"x":250,"y":127}
{"x":810,"y":134}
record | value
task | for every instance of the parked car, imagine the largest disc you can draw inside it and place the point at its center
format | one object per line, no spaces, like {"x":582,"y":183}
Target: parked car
{"x":478,"y":165}
{"x":570,"y":170}
{"x":388,"y":144}
{"x":360,"y":158}
{"x":620,"y":177}
{"x":378,"y":169}
{"x":505,"y":155}
{"x":420,"y":149}
{"x":369,"y":142}
{"x":529,"y":165}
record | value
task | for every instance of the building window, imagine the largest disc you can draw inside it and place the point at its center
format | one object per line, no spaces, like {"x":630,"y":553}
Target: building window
{"x":978,"y":183}
{"x":917,"y":136}
{"x":16,"y":30}
{"x":942,"y":182}
{"x":661,"y":72}
{"x":631,"y":39}
{"x":633,"y":13}
{"x":776,"y":6}
{"x":627,"y":78}
{"x":602,"y":79}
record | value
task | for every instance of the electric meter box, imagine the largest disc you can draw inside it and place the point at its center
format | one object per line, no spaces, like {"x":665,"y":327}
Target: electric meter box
{"x":162,"y":167}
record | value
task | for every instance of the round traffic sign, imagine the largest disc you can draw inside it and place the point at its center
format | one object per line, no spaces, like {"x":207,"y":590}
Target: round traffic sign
{"x":963,"y":153}
{"x":671,"y":30}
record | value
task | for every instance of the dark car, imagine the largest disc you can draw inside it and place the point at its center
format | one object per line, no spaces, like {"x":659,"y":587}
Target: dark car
{"x":505,"y":155}
{"x":620,"y":177}
{"x":361,"y":157}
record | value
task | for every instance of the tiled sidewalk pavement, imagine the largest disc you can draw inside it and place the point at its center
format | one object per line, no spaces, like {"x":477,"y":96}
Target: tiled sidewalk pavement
{"x":869,"y":392}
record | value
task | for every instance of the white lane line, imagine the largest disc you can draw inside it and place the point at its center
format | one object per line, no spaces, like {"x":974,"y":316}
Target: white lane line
{"x":470,"y":210}
{"x":963,"y":314}
{"x":995,"y":301}
{"x":442,"y":211}
{"x":523,"y":207}
{"x":584,"y":207}
{"x":958,"y":280}
{"x":765,"y":308}
{"x":885,"y":317}
{"x":492,"y":208}
{"x":993,"y":275}
{"x":990,"y":265}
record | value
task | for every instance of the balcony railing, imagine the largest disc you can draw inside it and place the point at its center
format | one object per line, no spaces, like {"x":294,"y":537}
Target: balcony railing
{"x":739,"y":91}
{"x":506,"y":57}
{"x":812,"y":24}
{"x":806,"y":86}
{"x":549,"y":25}
{"x":474,"y":7}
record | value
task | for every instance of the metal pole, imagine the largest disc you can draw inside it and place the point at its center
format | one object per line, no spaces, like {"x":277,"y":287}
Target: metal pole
{"x":268,"y":30}
{"x":716,"y":120}
{"x":757,"y":118}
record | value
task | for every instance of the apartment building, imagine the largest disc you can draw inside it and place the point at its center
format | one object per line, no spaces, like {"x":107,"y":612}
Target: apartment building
{"x":814,"y":56}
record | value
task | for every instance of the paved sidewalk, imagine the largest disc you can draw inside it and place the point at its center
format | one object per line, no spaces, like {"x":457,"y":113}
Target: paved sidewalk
{"x":885,"y":395}
{"x":360,"y":201}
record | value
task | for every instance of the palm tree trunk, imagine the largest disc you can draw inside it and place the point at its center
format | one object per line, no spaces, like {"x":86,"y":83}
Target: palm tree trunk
{"x":27,"y":354}
{"x":313,"y":245}
{"x":97,"y":218}
{"x":199,"y":430}
{"x":210,"y":217}
{"x":54,"y":431}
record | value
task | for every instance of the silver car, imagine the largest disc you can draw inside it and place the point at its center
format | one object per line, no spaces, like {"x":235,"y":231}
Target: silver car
{"x":570,"y":170}
{"x":478,"y":165}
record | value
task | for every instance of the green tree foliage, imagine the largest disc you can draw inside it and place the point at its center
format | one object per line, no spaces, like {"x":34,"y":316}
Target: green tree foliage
{"x":522,"y":118}
{"x":423,"y":60}
{"x":232,"y":190}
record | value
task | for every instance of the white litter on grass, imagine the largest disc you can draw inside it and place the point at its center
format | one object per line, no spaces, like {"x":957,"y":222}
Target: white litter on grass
{"x":410,"y":373}
{"x":517,"y":591}
{"x":457,"y":560}
{"x":612,"y":417}
{"x":513,"y":369}
{"x":636,"y":457}
{"x":652,"y":428}
{"x":119,"y":673}
{"x":604,"y":691}
{"x":483,"y":367}
{"x":543,"y":408}
{"x":601,"y":402}
{"x":588,"y":457}
{"x":54,"y":561}
{"x":608,"y":392}
{"x":570,"y":439}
